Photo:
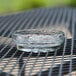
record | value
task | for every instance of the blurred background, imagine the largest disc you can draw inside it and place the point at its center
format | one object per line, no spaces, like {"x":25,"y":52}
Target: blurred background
{"x":9,"y":6}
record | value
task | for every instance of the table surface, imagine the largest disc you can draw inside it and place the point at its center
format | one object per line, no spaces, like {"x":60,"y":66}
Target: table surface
{"x":58,"y":63}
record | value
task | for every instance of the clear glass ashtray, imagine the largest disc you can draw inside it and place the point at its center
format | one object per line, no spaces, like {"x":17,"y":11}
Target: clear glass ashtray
{"x":38,"y":40}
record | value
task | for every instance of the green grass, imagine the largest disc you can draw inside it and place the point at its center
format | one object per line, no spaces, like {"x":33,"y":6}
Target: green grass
{"x":18,"y":5}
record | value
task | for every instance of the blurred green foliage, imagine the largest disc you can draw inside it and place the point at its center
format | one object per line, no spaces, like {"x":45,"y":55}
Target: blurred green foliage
{"x":18,"y":5}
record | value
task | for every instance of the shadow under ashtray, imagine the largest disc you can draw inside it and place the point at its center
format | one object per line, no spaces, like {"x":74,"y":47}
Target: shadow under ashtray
{"x":5,"y":74}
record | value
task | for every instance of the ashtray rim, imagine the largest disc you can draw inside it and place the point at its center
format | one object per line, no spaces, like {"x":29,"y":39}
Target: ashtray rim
{"x":37,"y":31}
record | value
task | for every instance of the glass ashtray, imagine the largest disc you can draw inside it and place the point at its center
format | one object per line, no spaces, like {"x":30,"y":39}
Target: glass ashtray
{"x":38,"y":40}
